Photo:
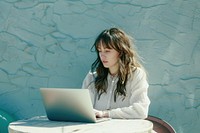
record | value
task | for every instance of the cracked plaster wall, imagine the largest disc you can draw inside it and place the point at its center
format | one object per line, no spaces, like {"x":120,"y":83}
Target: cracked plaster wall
{"x":46,"y":43}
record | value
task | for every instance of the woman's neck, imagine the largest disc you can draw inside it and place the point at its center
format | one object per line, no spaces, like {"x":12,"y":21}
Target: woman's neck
{"x":113,"y":72}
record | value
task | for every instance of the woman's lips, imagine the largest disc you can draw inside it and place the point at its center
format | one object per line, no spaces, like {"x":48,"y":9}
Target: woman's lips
{"x":104,"y":62}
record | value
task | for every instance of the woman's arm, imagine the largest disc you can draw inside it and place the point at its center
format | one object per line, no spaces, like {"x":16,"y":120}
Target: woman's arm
{"x":139,"y":101}
{"x":88,"y":83}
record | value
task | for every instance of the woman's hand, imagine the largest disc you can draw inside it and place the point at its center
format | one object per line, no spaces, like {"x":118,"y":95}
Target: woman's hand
{"x":100,"y":114}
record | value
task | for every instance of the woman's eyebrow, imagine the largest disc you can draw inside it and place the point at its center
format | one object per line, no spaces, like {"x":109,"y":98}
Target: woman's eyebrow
{"x":104,"y":46}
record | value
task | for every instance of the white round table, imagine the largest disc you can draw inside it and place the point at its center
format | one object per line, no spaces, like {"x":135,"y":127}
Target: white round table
{"x":41,"y":124}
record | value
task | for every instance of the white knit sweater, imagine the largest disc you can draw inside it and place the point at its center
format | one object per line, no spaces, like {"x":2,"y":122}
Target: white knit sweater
{"x":136,"y":103}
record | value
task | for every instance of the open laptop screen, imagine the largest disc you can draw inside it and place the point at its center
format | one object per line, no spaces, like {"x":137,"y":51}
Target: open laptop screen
{"x":68,"y":104}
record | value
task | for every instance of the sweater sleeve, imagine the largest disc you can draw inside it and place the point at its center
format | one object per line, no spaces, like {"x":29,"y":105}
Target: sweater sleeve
{"x":139,"y":101}
{"x":88,"y":83}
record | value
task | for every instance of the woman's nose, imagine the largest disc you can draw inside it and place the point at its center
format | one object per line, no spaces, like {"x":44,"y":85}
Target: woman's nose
{"x":102,"y":55}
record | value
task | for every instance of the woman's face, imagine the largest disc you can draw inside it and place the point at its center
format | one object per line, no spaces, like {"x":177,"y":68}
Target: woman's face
{"x":109,"y":58}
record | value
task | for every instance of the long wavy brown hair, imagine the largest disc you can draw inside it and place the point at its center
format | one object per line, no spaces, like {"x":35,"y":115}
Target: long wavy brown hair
{"x":117,"y":39}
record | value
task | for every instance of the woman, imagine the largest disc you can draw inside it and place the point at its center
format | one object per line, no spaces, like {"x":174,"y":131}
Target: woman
{"x":117,"y":81}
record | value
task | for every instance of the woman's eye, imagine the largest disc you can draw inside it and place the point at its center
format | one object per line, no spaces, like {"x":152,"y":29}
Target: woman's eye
{"x":107,"y":50}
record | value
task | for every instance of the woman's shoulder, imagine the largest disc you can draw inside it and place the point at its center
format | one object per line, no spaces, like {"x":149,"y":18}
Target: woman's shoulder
{"x":89,"y":79}
{"x":90,"y":75}
{"x":139,"y":72}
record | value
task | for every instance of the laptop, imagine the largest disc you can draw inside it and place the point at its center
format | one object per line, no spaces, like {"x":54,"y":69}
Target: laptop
{"x":69,"y":104}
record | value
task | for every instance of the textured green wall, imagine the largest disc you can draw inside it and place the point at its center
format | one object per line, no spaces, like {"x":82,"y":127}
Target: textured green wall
{"x":46,"y":43}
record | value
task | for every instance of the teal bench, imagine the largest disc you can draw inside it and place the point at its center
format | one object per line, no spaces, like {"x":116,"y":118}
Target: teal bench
{"x":5,"y":119}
